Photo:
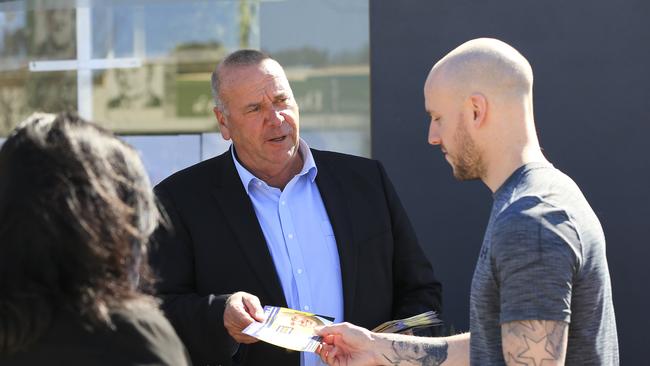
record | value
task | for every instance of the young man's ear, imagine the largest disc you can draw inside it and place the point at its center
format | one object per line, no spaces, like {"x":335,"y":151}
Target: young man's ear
{"x":478,"y":104}
{"x":223,"y":123}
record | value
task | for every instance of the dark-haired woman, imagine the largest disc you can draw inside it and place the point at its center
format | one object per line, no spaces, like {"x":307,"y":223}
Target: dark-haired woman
{"x":76,"y":213}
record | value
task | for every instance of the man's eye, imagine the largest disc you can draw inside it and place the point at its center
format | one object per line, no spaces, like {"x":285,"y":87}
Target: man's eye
{"x":253,"y":109}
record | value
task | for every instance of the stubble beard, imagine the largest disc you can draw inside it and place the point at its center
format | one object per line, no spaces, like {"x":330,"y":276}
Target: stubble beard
{"x":468,"y":163}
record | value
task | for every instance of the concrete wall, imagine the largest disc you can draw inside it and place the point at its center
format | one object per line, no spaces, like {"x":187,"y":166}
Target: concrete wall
{"x":591,"y":61}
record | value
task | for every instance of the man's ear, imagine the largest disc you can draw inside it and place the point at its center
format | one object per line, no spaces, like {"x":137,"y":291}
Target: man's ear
{"x":478,"y":104}
{"x":223,"y":123}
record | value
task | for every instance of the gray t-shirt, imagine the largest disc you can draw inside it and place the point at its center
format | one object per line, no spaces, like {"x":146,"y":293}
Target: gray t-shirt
{"x":543,"y":258}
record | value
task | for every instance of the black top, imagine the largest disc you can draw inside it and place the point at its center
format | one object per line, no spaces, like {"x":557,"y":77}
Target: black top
{"x":139,"y":336}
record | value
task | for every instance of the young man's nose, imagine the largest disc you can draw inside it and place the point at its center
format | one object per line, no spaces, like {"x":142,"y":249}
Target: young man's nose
{"x":434,"y":136}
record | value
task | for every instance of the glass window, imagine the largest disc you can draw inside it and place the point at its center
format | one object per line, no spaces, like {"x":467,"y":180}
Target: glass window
{"x":133,"y":66}
{"x":143,"y":67}
{"x":324,"y":47}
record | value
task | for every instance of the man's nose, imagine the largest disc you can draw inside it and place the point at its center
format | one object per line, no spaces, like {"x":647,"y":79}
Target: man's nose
{"x":275,"y":117}
{"x":434,"y":136}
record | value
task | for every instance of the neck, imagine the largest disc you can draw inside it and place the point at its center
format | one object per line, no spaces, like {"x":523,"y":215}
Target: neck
{"x":282,"y":177}
{"x":513,"y":143}
{"x":504,"y":163}
{"x":276,"y":176}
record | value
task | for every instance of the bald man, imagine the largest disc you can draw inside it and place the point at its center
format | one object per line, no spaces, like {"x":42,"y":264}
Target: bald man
{"x":541,"y":292}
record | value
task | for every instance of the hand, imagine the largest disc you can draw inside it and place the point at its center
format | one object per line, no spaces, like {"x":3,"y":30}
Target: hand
{"x":242,"y":309}
{"x":347,"y":345}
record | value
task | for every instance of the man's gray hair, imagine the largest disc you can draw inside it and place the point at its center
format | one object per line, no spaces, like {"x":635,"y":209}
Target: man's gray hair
{"x":245,"y":57}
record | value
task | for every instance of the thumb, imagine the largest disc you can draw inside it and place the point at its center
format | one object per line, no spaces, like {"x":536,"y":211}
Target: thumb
{"x":254,"y":308}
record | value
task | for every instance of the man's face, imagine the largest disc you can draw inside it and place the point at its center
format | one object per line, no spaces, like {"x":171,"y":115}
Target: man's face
{"x":59,"y":26}
{"x":262,"y":116}
{"x":448,"y":128}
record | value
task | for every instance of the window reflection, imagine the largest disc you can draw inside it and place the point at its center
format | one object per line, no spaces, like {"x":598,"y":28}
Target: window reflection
{"x":151,"y":62}
{"x":323,"y":46}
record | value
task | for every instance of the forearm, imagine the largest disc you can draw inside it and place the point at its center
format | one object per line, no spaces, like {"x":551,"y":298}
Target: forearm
{"x":397,"y":349}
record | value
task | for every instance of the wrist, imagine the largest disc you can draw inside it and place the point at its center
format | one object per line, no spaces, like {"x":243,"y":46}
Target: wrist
{"x":382,"y":346}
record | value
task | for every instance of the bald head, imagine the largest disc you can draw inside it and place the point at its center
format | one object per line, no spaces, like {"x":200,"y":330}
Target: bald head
{"x":484,"y":65}
{"x":479,"y":97}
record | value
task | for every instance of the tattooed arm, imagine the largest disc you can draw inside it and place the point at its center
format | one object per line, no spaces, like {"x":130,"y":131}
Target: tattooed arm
{"x":534,"y":342}
{"x":348,"y":345}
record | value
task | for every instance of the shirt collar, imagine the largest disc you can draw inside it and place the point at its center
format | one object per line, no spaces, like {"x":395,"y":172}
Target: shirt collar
{"x":308,"y":166}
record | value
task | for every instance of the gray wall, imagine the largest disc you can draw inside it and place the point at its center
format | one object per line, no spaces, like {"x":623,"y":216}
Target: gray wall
{"x":591,"y":61}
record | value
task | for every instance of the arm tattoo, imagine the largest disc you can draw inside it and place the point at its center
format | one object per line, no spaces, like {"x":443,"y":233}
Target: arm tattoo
{"x":433,"y":353}
{"x":532,"y":342}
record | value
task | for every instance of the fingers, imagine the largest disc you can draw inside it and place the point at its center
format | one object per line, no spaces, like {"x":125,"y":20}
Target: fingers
{"x":341,"y":328}
{"x":241,"y":310}
{"x":332,"y":357}
{"x":328,"y":354}
{"x":243,"y":338}
{"x":329,"y":339}
{"x":347,"y":344}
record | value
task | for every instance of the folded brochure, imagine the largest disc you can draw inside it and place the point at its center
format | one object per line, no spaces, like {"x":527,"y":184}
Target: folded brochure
{"x":289,"y":328}
{"x":426,"y":319}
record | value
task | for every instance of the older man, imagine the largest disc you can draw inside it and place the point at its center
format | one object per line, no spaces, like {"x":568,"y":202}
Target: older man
{"x":274,"y":222}
{"x":541,"y":292}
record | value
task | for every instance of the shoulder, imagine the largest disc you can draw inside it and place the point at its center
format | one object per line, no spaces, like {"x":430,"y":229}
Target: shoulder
{"x":349,"y":167}
{"x":331,"y":157}
{"x":531,"y":223}
{"x":140,"y":314}
{"x":145,"y":332}
{"x":527,"y":213}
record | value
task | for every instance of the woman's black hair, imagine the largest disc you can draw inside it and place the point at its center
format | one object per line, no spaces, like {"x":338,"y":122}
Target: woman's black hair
{"x":76,"y":213}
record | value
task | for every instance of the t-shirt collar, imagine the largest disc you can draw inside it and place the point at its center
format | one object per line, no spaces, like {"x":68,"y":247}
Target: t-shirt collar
{"x":505,"y":187}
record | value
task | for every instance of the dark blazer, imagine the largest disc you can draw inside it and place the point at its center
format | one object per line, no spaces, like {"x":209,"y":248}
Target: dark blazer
{"x":217,"y":247}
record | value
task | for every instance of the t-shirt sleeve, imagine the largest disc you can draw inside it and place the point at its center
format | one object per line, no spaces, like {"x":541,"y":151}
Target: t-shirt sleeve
{"x":535,"y":257}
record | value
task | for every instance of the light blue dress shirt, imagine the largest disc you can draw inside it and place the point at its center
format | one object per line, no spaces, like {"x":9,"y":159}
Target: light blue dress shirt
{"x":300,"y":238}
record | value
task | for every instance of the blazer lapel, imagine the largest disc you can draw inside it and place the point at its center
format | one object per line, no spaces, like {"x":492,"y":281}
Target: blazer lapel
{"x":240,"y":215}
{"x":335,"y":200}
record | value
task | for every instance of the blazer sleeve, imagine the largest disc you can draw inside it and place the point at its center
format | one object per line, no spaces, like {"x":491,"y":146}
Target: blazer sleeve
{"x":415,"y":288}
{"x":197,"y":319}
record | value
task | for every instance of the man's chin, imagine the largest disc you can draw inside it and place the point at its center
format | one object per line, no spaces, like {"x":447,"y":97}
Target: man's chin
{"x":463,"y":175}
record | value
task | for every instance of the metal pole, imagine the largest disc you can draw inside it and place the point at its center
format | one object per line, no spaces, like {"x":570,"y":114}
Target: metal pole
{"x":84,"y":55}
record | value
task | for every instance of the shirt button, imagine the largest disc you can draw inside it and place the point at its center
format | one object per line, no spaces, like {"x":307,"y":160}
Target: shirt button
{"x":306,"y":307}
{"x":283,"y":203}
{"x":290,"y":236}
{"x":299,"y":271}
